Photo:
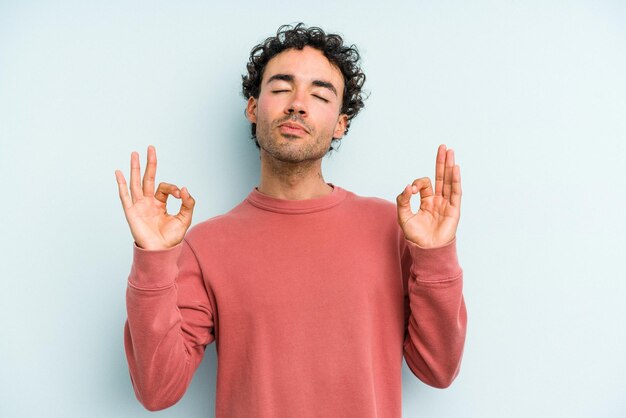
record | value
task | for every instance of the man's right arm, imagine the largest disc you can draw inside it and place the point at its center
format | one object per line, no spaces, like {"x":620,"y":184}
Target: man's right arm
{"x":170,"y":321}
{"x":169,"y":315}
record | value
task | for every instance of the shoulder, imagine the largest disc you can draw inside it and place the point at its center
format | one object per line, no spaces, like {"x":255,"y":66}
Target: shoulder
{"x":374,"y":214}
{"x":371,"y":203}
{"x":371,"y":210}
{"x":217,"y":226}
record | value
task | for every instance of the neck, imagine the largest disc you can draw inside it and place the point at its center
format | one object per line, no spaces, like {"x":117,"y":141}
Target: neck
{"x":292,"y":181}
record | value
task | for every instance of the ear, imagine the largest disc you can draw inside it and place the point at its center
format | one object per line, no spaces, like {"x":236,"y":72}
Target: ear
{"x":251,"y":109}
{"x":340,"y":127}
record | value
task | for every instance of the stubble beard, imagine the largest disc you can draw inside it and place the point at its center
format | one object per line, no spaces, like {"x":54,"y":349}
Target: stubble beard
{"x":291,"y":149}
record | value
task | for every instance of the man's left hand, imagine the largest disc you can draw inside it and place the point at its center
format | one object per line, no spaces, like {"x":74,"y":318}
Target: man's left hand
{"x":436,"y":221}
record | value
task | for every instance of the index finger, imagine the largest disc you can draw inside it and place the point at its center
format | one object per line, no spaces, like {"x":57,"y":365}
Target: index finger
{"x":150,"y":173}
{"x":440,"y":167}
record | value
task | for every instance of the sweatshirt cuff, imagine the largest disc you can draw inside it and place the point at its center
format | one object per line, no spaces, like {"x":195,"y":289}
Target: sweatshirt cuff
{"x":435,"y":264}
{"x":154,"y":269}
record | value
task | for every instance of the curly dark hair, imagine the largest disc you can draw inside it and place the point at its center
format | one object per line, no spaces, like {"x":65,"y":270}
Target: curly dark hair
{"x":345,"y":58}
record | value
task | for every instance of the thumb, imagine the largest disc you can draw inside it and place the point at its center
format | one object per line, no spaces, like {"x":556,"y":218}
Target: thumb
{"x":186,"y":207}
{"x":404,"y":204}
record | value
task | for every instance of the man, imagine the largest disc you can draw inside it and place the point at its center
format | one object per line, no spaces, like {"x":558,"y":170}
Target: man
{"x":312,"y":294}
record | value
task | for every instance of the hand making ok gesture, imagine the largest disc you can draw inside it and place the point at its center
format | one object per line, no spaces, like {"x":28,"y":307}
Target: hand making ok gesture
{"x":435,"y":223}
{"x":150,"y":224}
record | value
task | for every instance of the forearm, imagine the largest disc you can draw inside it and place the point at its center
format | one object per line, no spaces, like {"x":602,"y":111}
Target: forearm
{"x":161,"y":361}
{"x":435,"y":337}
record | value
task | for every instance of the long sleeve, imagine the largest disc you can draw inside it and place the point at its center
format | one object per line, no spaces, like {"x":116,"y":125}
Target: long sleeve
{"x":170,"y":321}
{"x":437,"y":318}
{"x":312,"y":305}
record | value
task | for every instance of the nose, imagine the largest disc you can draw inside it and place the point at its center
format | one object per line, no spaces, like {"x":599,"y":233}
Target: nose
{"x":296,"y":105}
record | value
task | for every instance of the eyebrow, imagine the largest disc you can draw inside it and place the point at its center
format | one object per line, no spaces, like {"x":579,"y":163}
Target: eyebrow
{"x":290,"y":78}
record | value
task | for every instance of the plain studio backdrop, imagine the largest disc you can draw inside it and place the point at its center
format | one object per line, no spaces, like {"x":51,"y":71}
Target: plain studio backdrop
{"x":531,"y":95}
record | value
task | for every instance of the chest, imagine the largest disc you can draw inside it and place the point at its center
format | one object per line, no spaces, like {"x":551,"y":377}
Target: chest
{"x":310,"y":283}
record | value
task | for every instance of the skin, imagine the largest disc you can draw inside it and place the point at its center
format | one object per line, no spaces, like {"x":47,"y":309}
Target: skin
{"x":435,"y":222}
{"x":297,"y":88}
{"x":145,"y":210}
{"x":303,"y":87}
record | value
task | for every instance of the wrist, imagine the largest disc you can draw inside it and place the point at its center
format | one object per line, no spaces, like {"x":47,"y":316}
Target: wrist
{"x":433,"y":244}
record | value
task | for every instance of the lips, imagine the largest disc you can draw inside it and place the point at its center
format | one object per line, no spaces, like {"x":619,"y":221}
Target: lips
{"x":291,"y":127}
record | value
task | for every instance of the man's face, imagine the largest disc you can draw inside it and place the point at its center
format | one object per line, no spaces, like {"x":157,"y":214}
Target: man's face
{"x":297,"y":113}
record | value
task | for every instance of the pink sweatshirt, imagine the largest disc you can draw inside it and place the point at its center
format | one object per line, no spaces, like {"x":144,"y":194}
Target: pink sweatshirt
{"x":312,"y":305}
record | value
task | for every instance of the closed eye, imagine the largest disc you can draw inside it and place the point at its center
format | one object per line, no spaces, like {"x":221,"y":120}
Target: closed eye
{"x":279,"y":91}
{"x":321,"y":98}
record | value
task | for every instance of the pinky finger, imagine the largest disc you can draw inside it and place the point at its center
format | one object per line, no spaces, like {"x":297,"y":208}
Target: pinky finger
{"x":127,"y":202}
{"x":455,"y":197}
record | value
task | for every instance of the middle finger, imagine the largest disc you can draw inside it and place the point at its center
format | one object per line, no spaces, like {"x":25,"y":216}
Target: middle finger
{"x":150,"y":173}
{"x":447,"y":174}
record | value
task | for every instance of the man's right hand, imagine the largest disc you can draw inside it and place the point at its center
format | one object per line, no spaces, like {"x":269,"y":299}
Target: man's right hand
{"x":146,"y":211}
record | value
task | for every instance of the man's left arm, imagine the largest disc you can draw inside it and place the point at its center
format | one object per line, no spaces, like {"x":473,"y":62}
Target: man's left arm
{"x":437,"y":320}
{"x":435,"y":335}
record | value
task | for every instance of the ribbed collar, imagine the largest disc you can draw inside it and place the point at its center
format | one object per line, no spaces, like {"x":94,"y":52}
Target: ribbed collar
{"x":295,"y":207}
